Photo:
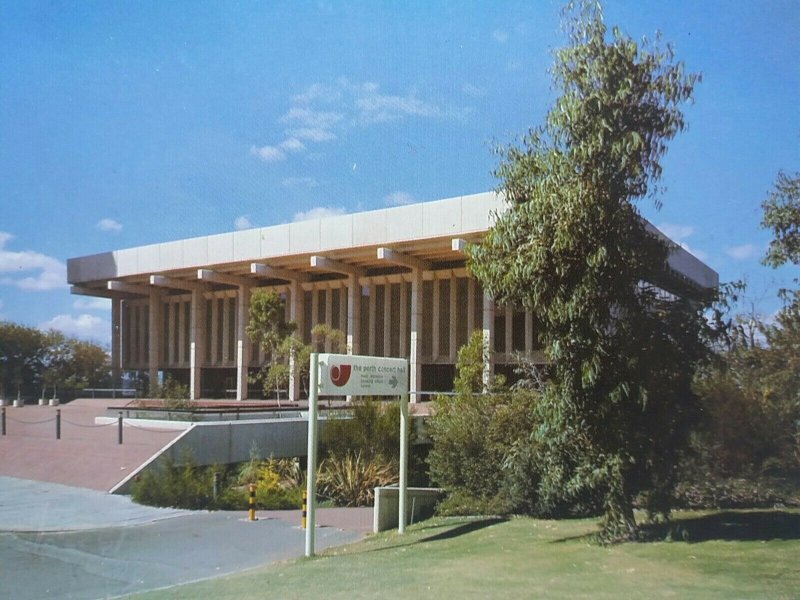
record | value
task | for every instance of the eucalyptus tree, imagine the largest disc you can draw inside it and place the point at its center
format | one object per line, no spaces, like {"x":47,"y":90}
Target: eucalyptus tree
{"x":782,"y":217}
{"x":572,"y":246}
{"x":267,"y":326}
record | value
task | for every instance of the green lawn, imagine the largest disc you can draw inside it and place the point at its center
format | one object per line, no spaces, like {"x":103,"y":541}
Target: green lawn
{"x":737,"y":554}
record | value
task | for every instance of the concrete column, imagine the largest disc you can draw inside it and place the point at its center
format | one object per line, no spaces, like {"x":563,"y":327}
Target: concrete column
{"x":116,"y":331}
{"x":197,"y":341}
{"x":314,"y":310}
{"x":387,"y":320}
{"x":296,"y":315}
{"x":124,"y":334}
{"x":183,"y":333}
{"x":180,"y":351}
{"x":372,"y":313}
{"x":436,"y":312}
{"x":242,"y":341}
{"x":470,"y":306}
{"x":488,"y":339}
{"x":172,"y":351}
{"x":403,"y":319}
{"x":141,"y":337}
{"x":214,"y":329}
{"x":415,"y":365}
{"x":453,"y":318}
{"x":154,"y":343}
{"x":509,"y":341}
{"x":342,"y":325}
{"x":353,"y":315}
{"x":328,"y":314}
{"x":226,"y":329}
{"x":528,"y":331}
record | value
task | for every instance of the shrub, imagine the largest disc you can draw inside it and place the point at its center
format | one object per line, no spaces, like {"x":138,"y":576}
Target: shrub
{"x":188,"y":486}
{"x":473,"y":436}
{"x":459,"y":503}
{"x":289,"y":471}
{"x":350,"y":480}
{"x":178,"y":486}
{"x":174,"y":393}
{"x":702,"y":487}
{"x":373,"y":431}
{"x":279,"y":484}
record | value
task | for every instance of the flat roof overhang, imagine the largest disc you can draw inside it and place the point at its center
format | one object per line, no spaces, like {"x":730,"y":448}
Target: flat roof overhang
{"x":423,"y":232}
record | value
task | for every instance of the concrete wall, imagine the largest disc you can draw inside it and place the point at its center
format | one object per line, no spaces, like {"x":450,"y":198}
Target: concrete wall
{"x":421,"y":502}
{"x":229,"y":442}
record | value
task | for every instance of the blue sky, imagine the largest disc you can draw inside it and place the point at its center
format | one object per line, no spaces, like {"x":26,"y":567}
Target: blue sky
{"x":128,"y":123}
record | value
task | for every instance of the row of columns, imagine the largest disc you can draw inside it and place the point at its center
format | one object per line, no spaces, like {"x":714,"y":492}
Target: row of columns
{"x":295,"y":310}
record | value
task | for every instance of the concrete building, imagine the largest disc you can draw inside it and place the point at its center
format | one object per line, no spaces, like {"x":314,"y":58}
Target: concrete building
{"x":394,"y":280}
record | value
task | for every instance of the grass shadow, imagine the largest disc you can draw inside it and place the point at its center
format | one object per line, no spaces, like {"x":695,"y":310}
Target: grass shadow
{"x":734,"y":526}
{"x":463,"y":529}
{"x":450,"y":533}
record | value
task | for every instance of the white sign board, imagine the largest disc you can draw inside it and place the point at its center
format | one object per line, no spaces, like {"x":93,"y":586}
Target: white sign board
{"x":347,"y":375}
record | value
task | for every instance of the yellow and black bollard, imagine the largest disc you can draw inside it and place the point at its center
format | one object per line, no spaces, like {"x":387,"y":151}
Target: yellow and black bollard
{"x":251,"y":514}
{"x":305,"y":511}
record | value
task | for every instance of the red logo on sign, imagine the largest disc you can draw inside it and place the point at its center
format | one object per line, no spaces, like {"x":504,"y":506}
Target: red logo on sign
{"x":340,"y":374}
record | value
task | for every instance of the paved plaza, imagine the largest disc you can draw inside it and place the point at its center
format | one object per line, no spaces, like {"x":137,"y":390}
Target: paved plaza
{"x":64,"y":542}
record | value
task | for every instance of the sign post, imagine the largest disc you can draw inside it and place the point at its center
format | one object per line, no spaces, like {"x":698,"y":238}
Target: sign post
{"x":311,"y":456}
{"x":349,"y":375}
{"x":403,"y":491}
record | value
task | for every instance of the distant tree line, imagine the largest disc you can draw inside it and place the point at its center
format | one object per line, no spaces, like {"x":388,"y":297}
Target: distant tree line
{"x":40,"y":364}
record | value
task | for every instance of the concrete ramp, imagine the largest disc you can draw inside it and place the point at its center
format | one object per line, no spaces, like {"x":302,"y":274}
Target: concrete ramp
{"x":226,"y":442}
{"x":88,"y":455}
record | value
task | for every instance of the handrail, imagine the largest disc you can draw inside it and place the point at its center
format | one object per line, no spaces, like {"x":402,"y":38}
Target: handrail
{"x":123,"y":392}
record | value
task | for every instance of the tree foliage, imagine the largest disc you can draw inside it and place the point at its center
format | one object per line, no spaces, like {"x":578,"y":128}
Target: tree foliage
{"x":281,"y":342}
{"x":474,"y":433}
{"x":573,"y":247}
{"x":470,"y":363}
{"x":267,"y":326}
{"x":782,"y":216}
{"x":33,"y":361}
{"x":22,"y":351}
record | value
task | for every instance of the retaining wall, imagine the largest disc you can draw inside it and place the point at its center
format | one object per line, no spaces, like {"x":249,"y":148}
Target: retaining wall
{"x":420,"y":504}
{"x":229,"y":442}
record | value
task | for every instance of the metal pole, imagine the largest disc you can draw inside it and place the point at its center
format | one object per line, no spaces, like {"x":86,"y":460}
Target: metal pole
{"x":58,"y":423}
{"x":4,"y":420}
{"x":403,"y":491}
{"x":119,"y":428}
{"x":311,"y":478}
{"x":216,"y":485}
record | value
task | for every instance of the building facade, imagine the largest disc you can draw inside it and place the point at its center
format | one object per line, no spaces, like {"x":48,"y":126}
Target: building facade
{"x":393,"y":280}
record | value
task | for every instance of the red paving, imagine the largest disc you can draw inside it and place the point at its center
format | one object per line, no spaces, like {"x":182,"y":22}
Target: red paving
{"x":86,"y":456}
{"x":350,"y":519}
